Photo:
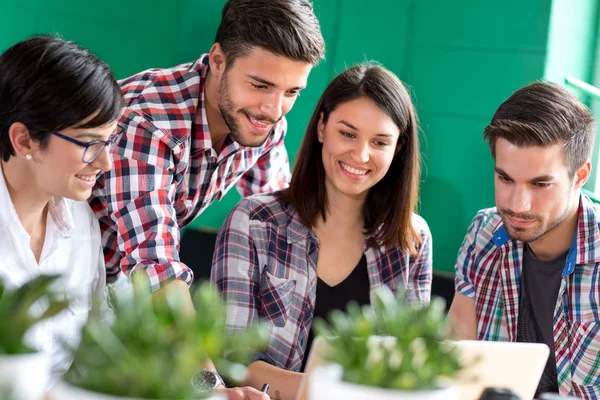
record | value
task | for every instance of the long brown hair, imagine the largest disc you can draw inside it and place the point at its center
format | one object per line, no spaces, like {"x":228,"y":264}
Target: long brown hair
{"x":391,"y":202}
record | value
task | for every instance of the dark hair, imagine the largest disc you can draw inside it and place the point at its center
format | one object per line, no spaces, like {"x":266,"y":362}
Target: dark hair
{"x":543,"y":114}
{"x":391,"y":202}
{"x":286,"y":28}
{"x":50,"y":84}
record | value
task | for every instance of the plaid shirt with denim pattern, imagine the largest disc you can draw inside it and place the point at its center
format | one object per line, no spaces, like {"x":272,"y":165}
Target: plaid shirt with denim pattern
{"x":488,"y":270}
{"x":166,"y":172}
{"x":265,"y":265}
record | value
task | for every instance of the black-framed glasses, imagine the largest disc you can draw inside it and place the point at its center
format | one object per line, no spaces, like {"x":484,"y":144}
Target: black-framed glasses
{"x":91,"y":150}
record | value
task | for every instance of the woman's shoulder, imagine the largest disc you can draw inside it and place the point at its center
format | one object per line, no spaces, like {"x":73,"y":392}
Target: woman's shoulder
{"x":266,"y":208}
{"x":420,"y":225}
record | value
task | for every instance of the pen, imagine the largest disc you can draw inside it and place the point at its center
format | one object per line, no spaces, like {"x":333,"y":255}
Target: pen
{"x":265,"y":388}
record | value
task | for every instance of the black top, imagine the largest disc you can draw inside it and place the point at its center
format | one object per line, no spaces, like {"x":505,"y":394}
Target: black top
{"x":328,"y":298}
{"x":540,"y":283}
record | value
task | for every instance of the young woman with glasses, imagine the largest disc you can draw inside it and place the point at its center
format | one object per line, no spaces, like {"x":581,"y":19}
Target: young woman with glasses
{"x":59,"y":106}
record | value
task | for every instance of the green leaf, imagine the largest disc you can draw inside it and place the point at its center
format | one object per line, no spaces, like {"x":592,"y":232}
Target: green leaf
{"x":16,"y":315}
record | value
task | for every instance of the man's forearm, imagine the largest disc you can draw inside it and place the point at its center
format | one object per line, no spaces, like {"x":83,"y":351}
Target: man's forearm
{"x":178,"y":288}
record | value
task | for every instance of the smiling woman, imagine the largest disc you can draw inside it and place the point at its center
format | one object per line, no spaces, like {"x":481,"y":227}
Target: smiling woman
{"x":345,"y":227}
{"x":58,"y":110}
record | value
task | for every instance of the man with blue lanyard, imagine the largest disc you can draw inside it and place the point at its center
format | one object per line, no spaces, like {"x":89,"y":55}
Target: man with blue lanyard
{"x":527,"y":270}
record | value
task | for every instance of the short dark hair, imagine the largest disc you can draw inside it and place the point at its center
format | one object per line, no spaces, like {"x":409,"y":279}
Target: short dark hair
{"x":50,"y":84}
{"x":286,"y":28}
{"x":391,"y":202}
{"x":543,"y":114}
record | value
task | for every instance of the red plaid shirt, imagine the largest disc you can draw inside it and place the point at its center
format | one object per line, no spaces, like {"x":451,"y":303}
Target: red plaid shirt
{"x":265,"y":264}
{"x":166,"y":172}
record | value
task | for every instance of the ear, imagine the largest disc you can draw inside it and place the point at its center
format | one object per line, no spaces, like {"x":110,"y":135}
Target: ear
{"x":583,"y":174}
{"x":20,"y":140}
{"x":320,"y":128}
{"x":217,"y":60}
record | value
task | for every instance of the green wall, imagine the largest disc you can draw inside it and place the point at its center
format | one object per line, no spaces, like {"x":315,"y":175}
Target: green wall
{"x":572,"y":45}
{"x":461,"y":59}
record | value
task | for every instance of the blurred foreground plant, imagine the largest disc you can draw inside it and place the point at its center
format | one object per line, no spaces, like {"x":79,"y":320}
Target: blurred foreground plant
{"x":16,"y":316}
{"x":152,"y":350}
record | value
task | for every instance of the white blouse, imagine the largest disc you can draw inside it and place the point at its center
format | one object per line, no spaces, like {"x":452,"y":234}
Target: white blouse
{"x":72,"y":249}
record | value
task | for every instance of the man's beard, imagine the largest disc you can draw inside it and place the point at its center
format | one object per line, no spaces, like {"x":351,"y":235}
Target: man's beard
{"x":227,"y":109}
{"x":521,"y":234}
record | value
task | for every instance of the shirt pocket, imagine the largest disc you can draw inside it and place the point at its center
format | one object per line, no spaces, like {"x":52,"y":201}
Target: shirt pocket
{"x":276,"y":296}
{"x":585,"y":353}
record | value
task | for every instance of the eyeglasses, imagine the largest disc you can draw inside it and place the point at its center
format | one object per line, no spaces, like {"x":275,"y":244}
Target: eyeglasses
{"x":91,"y":150}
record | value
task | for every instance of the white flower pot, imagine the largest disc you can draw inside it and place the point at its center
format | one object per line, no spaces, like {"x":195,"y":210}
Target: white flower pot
{"x":25,"y":376}
{"x":64,"y":391}
{"x":326,"y":384}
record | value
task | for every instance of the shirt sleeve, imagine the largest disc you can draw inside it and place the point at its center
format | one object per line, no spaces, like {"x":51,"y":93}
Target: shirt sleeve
{"x":421,"y":266}
{"x":464,"y":268}
{"x":140,"y":229}
{"x":271,"y":172}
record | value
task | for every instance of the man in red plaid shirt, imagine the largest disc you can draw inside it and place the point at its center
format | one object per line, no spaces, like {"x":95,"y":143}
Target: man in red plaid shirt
{"x":192,"y":132}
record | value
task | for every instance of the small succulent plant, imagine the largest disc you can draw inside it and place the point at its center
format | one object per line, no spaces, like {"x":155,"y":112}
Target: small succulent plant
{"x":393,"y":344}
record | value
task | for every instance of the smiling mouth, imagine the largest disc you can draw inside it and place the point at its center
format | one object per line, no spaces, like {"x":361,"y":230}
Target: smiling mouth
{"x":354,"y":171}
{"x":262,"y":126}
{"x":87,"y":178}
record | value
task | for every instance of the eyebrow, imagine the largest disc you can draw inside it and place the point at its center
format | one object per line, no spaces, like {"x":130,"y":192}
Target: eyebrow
{"x":543,"y":178}
{"x":349,"y":125}
{"x":89,"y":135}
{"x":269,"y":83}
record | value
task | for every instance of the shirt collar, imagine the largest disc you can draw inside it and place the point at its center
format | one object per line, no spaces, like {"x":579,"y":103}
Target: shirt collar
{"x":57,"y":208}
{"x":585,"y":241}
{"x":61,"y":215}
{"x":202,"y":132}
{"x":296,"y":230}
{"x":587,"y":237}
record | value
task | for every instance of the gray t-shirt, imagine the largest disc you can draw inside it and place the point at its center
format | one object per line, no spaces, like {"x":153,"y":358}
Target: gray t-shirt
{"x":540,"y":283}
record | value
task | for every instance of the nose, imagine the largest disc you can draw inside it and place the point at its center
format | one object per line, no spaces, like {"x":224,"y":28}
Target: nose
{"x":104,"y":160}
{"x":520,"y":200}
{"x":361,"y":152}
{"x":272,"y":106}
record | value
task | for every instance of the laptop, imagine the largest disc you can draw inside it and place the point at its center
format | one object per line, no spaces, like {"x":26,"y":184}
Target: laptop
{"x":509,"y":365}
{"x":316,"y":358}
{"x":514,"y":366}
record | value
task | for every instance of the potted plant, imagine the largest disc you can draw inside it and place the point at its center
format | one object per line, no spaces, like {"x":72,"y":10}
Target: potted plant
{"x":25,"y":372}
{"x":153,"y":349}
{"x":412,"y":361}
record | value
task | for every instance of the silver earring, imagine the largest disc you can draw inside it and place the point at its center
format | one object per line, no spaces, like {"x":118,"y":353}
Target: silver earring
{"x":28,"y":156}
